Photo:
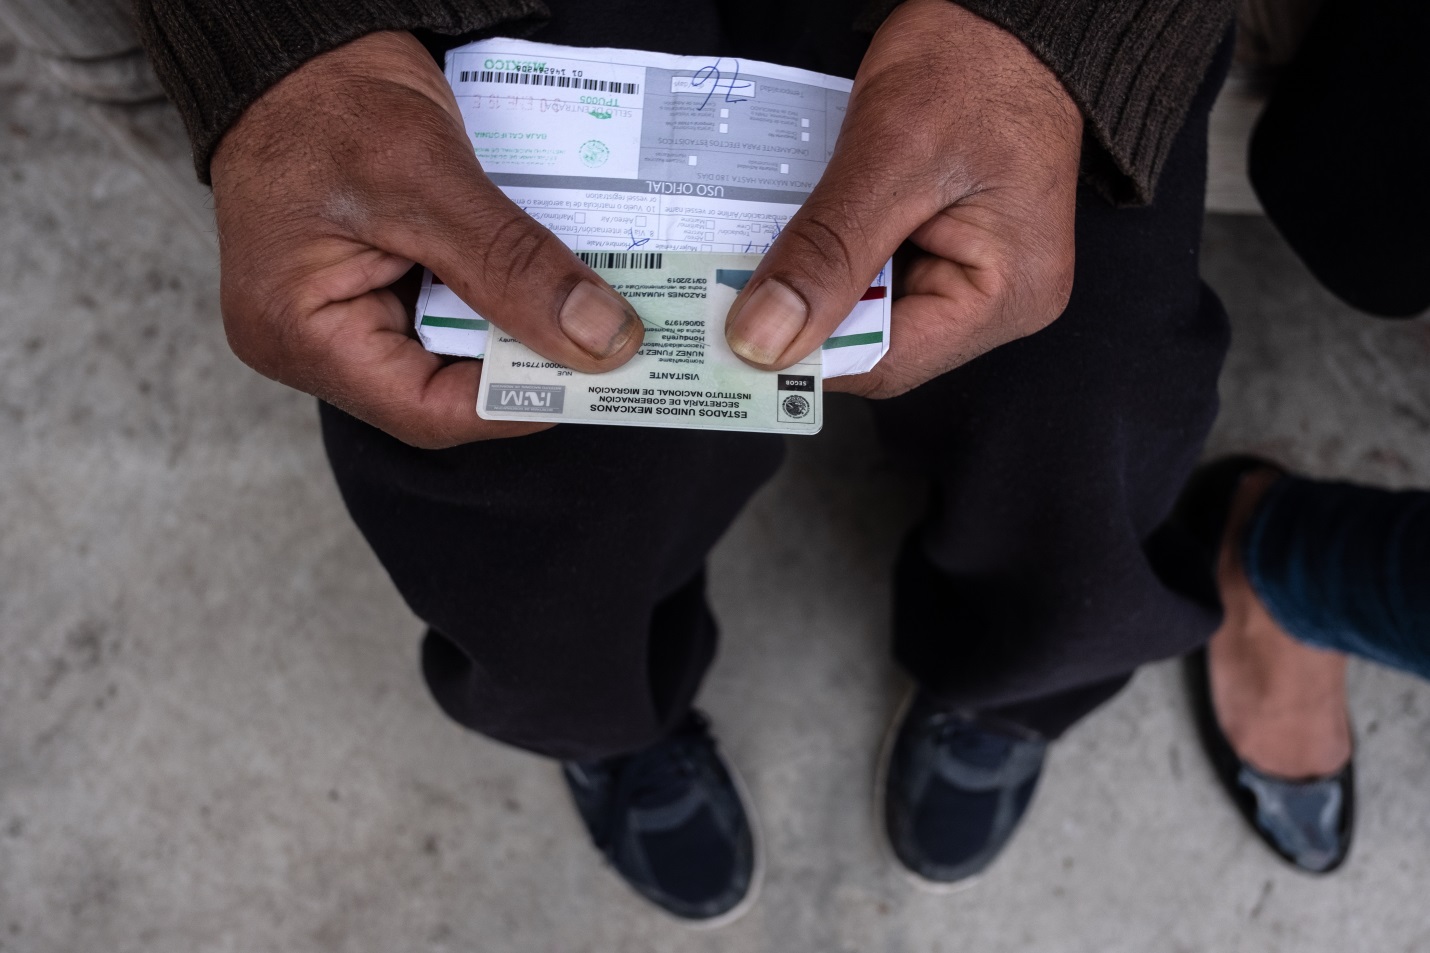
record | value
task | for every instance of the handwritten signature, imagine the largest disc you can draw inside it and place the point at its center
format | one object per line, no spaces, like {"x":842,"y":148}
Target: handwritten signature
{"x":715,"y":77}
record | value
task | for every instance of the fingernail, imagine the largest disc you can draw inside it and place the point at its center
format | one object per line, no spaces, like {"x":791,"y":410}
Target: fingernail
{"x":597,"y":320}
{"x":769,"y":320}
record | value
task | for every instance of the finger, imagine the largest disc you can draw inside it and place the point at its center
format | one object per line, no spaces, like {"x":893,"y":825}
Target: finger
{"x":509,"y":268}
{"x":358,"y":355}
{"x":944,"y":319}
{"x":964,"y":289}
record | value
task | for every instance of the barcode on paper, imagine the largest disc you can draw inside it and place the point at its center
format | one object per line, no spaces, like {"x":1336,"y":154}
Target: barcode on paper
{"x":548,"y":79}
{"x":621,"y":259}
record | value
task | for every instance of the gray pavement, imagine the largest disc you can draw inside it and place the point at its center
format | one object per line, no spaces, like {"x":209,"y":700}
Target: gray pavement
{"x":213,"y":737}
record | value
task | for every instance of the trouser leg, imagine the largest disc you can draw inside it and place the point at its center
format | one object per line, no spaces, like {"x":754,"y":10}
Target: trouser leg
{"x":1346,"y":568}
{"x":561,"y":574}
{"x":1026,"y":591}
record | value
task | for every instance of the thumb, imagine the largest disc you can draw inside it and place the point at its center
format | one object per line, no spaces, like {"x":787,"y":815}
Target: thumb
{"x":824,"y":260}
{"x":513,"y":271}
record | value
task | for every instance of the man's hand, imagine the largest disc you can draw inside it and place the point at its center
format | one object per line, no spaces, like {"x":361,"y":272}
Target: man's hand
{"x":959,"y":141}
{"x":329,"y":188}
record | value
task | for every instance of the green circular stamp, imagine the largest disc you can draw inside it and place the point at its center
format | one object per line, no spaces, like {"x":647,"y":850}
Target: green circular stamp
{"x":594,"y":153}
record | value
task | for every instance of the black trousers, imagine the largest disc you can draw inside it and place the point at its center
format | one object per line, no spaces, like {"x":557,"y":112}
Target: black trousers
{"x":562,"y":574}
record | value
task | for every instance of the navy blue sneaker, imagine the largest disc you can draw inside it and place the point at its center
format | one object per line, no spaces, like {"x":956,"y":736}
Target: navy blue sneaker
{"x":672,"y":822}
{"x":953,"y":789}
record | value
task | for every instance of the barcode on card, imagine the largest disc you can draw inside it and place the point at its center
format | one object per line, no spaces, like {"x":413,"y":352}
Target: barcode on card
{"x":547,"y":79}
{"x":621,"y":259}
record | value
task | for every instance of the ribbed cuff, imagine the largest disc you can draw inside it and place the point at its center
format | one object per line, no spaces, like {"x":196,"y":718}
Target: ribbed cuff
{"x":1132,"y":66}
{"x":215,"y":57}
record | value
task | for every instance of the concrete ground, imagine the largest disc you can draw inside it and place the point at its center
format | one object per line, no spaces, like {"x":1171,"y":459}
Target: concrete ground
{"x":213,"y":736}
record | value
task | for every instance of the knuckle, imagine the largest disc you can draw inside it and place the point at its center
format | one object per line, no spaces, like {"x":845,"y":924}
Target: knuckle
{"x":1061,"y":287}
{"x":511,"y":247}
{"x":266,"y":332}
{"x":896,"y":381}
{"x":245,"y":324}
{"x":424,"y":439}
{"x":1029,"y":286}
{"x":1000,"y":284}
{"x":819,"y":246}
{"x":393,"y":417}
{"x":1048,"y":290}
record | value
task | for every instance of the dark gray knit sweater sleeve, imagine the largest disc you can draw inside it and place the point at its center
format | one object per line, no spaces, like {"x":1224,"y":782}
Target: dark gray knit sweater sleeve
{"x":1132,"y":67}
{"x":214,"y":57}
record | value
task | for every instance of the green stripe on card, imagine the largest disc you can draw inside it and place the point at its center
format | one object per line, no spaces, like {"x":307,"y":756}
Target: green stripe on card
{"x":849,"y":340}
{"x":463,"y":324}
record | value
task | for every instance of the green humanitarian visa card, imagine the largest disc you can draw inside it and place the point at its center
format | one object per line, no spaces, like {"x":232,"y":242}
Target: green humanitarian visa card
{"x":684,"y":375}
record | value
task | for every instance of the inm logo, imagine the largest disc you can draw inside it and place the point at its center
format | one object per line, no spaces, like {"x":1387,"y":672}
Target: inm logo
{"x":527,"y":398}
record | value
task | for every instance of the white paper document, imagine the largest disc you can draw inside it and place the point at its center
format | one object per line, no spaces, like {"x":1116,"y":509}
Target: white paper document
{"x":629,"y":151}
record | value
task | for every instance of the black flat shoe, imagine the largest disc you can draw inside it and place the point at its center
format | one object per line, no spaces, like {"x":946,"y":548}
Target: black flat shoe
{"x":1308,"y":822}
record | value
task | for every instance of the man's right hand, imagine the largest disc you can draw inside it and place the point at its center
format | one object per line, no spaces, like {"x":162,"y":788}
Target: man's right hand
{"x":329,"y":188}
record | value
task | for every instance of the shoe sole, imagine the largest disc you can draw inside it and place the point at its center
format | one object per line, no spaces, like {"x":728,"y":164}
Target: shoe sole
{"x":881,"y":777}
